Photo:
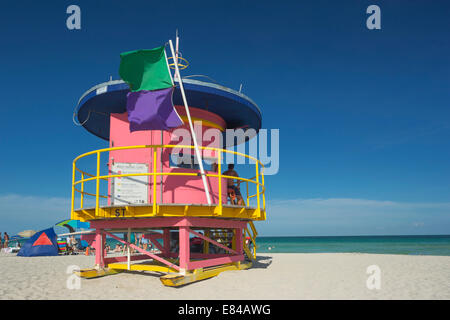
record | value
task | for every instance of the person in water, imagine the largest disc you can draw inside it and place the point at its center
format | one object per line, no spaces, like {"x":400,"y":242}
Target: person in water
{"x":231,"y":183}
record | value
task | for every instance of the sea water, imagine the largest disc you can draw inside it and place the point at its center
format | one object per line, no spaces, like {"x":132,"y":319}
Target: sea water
{"x":438,"y":245}
{"x":411,"y":245}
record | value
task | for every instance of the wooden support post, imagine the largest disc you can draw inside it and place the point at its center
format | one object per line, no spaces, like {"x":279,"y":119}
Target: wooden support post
{"x":99,"y":252}
{"x":184,"y":249}
{"x":239,"y":241}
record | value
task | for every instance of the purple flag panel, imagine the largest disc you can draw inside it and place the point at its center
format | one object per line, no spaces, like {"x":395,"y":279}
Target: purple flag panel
{"x":152,"y":110}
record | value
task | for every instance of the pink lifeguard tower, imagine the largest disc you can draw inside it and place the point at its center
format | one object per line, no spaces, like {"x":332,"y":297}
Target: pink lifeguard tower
{"x":140,"y":184}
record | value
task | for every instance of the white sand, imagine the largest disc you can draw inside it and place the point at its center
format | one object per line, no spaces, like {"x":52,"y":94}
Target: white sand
{"x":275,"y":276}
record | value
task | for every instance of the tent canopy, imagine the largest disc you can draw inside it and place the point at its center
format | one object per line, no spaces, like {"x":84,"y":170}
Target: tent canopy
{"x":42,"y":243}
{"x":26,"y":233}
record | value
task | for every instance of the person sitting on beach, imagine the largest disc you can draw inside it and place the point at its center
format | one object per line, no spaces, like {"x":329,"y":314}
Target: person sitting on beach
{"x":125,"y":238}
{"x":6,"y":240}
{"x":1,"y":241}
{"x":232,"y":188}
{"x":137,"y":239}
{"x":144,"y":242}
{"x":73,"y":243}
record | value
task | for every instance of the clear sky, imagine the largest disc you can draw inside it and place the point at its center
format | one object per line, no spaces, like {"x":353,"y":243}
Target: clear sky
{"x":363,"y":114}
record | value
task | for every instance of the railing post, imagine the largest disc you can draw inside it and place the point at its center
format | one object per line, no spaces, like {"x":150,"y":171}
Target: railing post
{"x":257,"y":186}
{"x":264,"y":193}
{"x":248,"y":199}
{"x":219,"y":168}
{"x":98,"y":185}
{"x":73,"y":191}
{"x":82,"y":191}
{"x":154,"y":181}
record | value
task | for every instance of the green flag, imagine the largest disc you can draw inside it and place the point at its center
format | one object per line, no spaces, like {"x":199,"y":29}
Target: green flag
{"x":145,"y":69}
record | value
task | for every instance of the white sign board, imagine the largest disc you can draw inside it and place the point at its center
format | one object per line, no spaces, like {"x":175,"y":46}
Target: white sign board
{"x":129,"y":190}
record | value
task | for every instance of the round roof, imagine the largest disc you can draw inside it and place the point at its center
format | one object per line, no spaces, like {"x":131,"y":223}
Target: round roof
{"x":238,"y":110}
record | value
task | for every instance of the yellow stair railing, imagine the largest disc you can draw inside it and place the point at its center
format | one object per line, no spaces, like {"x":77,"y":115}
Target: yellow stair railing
{"x":252,"y":235}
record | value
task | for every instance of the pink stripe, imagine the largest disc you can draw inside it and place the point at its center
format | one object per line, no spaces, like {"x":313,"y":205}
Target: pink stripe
{"x":168,"y":222}
{"x":138,"y":223}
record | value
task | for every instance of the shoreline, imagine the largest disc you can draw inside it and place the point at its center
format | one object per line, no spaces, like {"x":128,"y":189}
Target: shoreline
{"x":277,"y":276}
{"x":373,"y":253}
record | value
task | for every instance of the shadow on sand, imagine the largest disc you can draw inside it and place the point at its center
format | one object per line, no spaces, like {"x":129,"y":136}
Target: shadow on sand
{"x":262,"y":262}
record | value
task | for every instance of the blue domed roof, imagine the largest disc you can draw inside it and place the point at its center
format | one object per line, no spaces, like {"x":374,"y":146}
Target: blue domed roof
{"x":238,"y":111}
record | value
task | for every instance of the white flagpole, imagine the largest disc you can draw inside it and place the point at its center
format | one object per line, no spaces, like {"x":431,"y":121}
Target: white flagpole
{"x":176,"y":51}
{"x":197,"y":152}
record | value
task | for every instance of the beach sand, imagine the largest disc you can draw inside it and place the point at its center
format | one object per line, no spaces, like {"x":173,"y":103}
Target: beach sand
{"x":274,"y":276}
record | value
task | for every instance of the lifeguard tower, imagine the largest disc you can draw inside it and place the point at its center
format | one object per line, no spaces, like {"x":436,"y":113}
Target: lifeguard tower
{"x":138,"y":185}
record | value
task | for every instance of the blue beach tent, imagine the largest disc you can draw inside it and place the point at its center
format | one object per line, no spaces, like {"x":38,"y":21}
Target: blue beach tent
{"x":42,"y":243}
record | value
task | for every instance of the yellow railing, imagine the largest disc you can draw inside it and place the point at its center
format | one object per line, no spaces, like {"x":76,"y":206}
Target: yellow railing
{"x":252,"y":235}
{"x":258,"y":180}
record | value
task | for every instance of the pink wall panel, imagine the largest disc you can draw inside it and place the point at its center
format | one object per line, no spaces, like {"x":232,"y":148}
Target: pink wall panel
{"x":176,"y":189}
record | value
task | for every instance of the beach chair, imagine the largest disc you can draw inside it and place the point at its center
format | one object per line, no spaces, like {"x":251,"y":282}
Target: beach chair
{"x":62,"y":246}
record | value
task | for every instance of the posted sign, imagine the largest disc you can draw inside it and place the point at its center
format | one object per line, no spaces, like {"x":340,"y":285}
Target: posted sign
{"x":129,"y":190}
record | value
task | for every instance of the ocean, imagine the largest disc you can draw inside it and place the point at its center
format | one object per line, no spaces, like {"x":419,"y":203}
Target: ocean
{"x":438,"y":245}
{"x":410,"y":245}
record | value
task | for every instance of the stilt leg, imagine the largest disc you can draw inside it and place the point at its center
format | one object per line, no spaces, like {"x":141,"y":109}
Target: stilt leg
{"x":239,"y":241}
{"x":185,"y":253}
{"x":99,"y":252}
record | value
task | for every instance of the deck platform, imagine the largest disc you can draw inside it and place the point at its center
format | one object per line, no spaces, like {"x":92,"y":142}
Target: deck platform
{"x":169,"y":210}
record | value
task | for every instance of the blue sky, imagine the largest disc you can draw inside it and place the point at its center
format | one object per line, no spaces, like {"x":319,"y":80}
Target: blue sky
{"x":363,"y":114}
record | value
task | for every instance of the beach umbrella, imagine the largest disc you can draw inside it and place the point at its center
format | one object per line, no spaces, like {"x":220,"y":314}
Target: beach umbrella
{"x":73,"y":224}
{"x":26,"y":233}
